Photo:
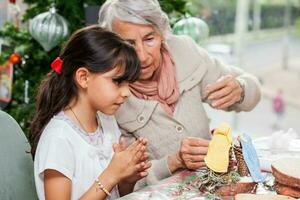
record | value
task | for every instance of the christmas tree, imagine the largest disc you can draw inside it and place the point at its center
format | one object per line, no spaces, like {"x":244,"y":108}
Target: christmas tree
{"x":32,"y":62}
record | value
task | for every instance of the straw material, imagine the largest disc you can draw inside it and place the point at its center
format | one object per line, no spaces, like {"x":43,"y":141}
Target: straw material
{"x":242,"y":167}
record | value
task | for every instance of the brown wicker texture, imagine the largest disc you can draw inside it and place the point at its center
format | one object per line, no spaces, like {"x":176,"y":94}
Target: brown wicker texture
{"x":242,"y":167}
{"x":232,"y":161}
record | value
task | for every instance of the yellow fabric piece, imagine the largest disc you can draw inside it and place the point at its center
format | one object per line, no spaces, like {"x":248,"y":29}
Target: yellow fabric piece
{"x":217,"y":158}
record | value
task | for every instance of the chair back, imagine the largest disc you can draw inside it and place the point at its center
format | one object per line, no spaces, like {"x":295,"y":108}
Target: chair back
{"x":16,"y":164}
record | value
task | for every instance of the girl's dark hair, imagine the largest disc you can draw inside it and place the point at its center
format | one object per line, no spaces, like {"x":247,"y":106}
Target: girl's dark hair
{"x":97,"y":50}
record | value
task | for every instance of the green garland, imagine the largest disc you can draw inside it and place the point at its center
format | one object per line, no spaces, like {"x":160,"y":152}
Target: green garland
{"x":208,"y":181}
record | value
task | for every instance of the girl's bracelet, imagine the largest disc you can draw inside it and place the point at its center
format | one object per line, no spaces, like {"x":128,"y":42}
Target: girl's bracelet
{"x":101,"y":187}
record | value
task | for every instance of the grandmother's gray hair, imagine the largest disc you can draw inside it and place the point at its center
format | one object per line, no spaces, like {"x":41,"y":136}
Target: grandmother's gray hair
{"x":146,"y":12}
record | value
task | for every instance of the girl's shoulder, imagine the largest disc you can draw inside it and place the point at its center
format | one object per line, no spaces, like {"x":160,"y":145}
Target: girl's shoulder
{"x":57,"y":127}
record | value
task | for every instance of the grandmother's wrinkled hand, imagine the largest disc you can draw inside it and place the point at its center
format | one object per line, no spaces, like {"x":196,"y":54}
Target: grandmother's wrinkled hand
{"x":192,"y":152}
{"x":225,"y":92}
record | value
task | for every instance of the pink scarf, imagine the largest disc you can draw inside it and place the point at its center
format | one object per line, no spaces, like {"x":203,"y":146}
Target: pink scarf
{"x":163,"y":86}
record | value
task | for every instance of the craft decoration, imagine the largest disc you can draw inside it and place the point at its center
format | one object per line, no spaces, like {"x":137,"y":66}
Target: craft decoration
{"x":241,"y":164}
{"x":227,"y":172}
{"x":251,"y":158}
{"x":217,"y":158}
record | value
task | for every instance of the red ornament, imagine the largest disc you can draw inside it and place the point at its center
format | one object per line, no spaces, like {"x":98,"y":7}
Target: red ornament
{"x":15,"y":58}
{"x":12,"y":1}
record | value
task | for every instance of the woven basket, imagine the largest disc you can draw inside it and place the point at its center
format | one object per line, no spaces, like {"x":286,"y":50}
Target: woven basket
{"x":242,"y":167}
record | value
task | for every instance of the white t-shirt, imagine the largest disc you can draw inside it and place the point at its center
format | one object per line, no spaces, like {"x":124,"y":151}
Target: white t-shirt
{"x":63,"y":149}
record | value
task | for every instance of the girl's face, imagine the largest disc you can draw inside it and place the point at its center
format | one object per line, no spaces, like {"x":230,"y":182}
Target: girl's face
{"x":104,"y":93}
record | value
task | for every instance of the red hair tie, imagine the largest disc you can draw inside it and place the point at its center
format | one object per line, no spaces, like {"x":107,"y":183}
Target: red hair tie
{"x":56,"y":65}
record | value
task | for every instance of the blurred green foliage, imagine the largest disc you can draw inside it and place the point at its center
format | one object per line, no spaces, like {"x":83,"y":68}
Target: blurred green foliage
{"x":297,"y":24}
{"x":220,"y":15}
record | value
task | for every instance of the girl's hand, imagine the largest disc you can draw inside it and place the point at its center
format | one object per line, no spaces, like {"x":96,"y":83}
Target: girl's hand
{"x":129,"y":162}
{"x":144,"y":165}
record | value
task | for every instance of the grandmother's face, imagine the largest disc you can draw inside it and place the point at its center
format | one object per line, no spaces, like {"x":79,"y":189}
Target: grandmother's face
{"x":147,"y":43}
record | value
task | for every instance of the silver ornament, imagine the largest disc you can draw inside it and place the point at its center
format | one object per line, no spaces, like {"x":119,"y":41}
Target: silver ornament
{"x":194,"y":27}
{"x":49,"y":29}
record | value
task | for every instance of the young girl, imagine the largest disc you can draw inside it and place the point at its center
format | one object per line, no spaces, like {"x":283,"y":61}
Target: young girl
{"x":76,"y":157}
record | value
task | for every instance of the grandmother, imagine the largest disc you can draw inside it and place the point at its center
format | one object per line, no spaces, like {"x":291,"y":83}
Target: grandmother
{"x":177,"y":77}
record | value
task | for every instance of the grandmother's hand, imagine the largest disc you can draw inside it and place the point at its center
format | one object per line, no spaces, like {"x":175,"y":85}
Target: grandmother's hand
{"x":192,"y":152}
{"x":225,"y":92}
